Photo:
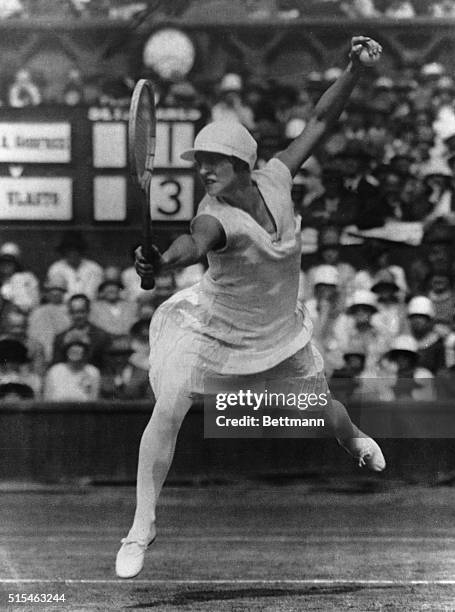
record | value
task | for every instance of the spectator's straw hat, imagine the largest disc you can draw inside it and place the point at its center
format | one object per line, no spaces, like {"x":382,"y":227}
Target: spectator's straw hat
{"x":383,"y":83}
{"x":121,"y":345}
{"x":231,"y":82}
{"x":13,"y":350}
{"x":226,"y":137}
{"x":432,"y":69}
{"x":421,"y":305}
{"x":55,"y":282}
{"x":108,"y":282}
{"x":326,"y":275}
{"x":438,"y":167}
{"x":403,"y":344}
{"x":10,"y":251}
{"x":384,"y":278}
{"x":22,"y":390}
{"x":362,"y":297}
{"x":445,"y":83}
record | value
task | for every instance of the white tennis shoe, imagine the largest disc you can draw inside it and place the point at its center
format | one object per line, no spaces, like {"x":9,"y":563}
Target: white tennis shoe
{"x":130,"y":558}
{"x":367,"y":452}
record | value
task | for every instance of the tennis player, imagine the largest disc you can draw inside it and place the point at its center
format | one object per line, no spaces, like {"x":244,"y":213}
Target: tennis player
{"x":242,"y":318}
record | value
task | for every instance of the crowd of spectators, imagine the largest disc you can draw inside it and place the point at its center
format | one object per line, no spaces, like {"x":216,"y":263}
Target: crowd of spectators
{"x":383,"y":179}
{"x":82,"y":336}
{"x":255,"y":9}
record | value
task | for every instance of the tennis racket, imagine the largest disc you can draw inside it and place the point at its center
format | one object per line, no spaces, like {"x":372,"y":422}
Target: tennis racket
{"x":141,"y":150}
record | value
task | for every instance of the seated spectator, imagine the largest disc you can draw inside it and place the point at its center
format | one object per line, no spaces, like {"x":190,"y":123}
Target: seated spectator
{"x":164,"y":287}
{"x":83,"y":330}
{"x":81,"y":275}
{"x":72,"y":379}
{"x":15,"y":326}
{"x":73,"y":91}
{"x":18,"y":286}
{"x":378,"y":260}
{"x":323,"y":310}
{"x":360,"y":8}
{"x":346,"y":380}
{"x":23,"y":91}
{"x":353,"y":162}
{"x":442,"y":296}
{"x":430,"y":344}
{"x":14,"y":366}
{"x":13,"y":392}
{"x":403,"y":378}
{"x":400,"y":9}
{"x":230,"y":106}
{"x":438,"y":180}
{"x":391,"y":311}
{"x":442,"y":8}
{"x":356,"y":326}
{"x":336,"y":206}
{"x":140,"y":344}
{"x":120,"y":379}
{"x":51,"y":318}
{"x":112,"y":313}
{"x":329,"y":253}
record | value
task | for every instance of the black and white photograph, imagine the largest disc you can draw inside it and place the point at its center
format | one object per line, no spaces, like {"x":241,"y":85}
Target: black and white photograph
{"x":227,"y":305}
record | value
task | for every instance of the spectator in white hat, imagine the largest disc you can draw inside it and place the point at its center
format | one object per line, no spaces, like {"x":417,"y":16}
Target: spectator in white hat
{"x":323,"y":310}
{"x":402,"y":378}
{"x":430,"y":344}
{"x":356,"y":325}
{"x":230,"y":106}
{"x":391,"y":310}
{"x":19,"y":286}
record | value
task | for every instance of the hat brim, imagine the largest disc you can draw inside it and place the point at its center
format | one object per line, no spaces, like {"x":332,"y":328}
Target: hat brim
{"x":376,"y":286}
{"x":395,"y":352}
{"x":353,"y":306}
{"x":189,"y":154}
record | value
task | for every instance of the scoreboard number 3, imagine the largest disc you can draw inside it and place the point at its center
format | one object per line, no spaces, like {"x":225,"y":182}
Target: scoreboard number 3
{"x":171,"y":197}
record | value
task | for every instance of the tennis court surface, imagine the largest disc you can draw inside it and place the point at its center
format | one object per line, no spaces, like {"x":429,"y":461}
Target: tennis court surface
{"x":362,"y":545}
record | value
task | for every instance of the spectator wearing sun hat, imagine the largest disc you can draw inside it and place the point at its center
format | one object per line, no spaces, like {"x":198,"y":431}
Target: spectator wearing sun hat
{"x":357,"y":325}
{"x":110,"y":311}
{"x":402,"y":378}
{"x":323,"y":310}
{"x":391,"y":311}
{"x":19,"y":286}
{"x":230,"y":106}
{"x":430,"y":344}
{"x":51,"y":318}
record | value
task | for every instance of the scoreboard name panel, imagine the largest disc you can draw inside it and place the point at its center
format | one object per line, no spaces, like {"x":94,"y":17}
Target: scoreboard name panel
{"x":48,"y":168}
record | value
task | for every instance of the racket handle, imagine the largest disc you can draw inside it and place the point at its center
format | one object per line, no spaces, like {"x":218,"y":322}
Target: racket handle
{"x":147,"y":283}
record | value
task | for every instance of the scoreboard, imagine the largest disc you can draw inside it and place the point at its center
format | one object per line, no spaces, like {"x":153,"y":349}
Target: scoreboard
{"x":63,"y":166}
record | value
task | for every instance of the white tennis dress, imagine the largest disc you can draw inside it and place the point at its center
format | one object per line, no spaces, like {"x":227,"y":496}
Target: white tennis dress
{"x":243,"y":317}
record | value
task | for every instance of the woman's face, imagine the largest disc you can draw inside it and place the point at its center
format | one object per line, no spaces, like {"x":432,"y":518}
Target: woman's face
{"x":217,"y":173}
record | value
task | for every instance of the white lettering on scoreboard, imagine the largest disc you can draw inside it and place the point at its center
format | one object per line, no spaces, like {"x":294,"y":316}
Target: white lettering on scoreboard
{"x":42,"y":142}
{"x":36,"y":199}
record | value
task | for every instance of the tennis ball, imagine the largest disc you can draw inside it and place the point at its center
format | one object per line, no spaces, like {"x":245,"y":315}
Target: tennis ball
{"x":366,"y":59}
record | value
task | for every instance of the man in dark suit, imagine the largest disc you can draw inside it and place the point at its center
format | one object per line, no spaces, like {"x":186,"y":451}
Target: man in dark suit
{"x":81,"y":329}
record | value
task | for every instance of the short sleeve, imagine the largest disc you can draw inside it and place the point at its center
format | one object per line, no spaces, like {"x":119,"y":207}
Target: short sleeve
{"x":280,"y":172}
{"x":224,"y":214}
